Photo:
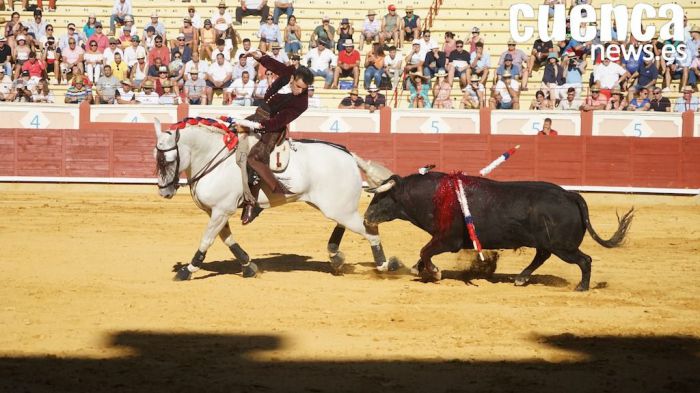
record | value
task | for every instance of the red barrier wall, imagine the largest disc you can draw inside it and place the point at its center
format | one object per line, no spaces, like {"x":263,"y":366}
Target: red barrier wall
{"x":585,"y":160}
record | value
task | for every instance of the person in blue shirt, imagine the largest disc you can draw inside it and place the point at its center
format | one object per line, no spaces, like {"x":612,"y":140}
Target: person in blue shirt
{"x":645,"y":76}
{"x":641,"y":102}
{"x":687,"y":102}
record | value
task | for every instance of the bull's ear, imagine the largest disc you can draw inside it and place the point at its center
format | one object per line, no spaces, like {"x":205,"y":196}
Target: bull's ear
{"x":383,"y":188}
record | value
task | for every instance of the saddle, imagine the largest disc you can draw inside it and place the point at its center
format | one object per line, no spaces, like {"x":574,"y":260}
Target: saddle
{"x":279,"y":157}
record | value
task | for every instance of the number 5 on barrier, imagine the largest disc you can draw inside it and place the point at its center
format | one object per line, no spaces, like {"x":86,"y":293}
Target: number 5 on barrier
{"x":638,"y":129}
{"x":435,"y":126}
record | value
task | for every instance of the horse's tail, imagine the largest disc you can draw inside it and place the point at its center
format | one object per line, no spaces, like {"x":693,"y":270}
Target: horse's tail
{"x":376,"y":173}
{"x":623,"y":224}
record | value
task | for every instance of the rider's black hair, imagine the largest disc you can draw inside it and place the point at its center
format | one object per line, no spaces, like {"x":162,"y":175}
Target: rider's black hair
{"x":305,"y":74}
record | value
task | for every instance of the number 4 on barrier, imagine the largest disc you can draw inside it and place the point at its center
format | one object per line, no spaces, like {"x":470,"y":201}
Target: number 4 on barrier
{"x":35,"y":121}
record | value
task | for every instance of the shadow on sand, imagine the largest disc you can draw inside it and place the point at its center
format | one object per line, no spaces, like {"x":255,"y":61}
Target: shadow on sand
{"x":226,"y":363}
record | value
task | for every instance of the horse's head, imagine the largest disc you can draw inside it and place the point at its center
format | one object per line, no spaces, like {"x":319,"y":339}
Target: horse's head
{"x":170,"y":160}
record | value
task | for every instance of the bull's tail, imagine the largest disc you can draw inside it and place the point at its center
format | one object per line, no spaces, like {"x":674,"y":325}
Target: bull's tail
{"x":623,"y":226}
{"x":376,"y":174}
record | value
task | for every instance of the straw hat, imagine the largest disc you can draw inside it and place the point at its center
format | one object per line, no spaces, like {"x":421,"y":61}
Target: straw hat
{"x":441,"y":73}
{"x":354,"y":91}
{"x":372,"y":87}
{"x":371,"y":12}
{"x":415,"y":74}
{"x":126,"y":82}
{"x":147,"y":84}
{"x":687,"y":89}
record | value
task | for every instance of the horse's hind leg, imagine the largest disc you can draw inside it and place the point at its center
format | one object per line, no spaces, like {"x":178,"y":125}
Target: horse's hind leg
{"x":217,"y":221}
{"x":539,"y":259}
{"x":355,"y":223}
{"x":336,"y":256}
{"x":250,"y":269}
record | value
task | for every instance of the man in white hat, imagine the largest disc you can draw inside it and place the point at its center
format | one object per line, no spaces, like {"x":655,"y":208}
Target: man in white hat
{"x":519,"y":58}
{"x":411,"y":25}
{"x":157,"y":25}
{"x":687,"y":102}
{"x":435,"y":60}
{"x":195,"y":88}
{"x":182,"y":47}
{"x":278,"y":54}
{"x":370,"y":28}
{"x":248,"y":8}
{"x":474,"y":94}
{"x":348,"y":64}
{"x":374,"y":100}
{"x":505,"y":94}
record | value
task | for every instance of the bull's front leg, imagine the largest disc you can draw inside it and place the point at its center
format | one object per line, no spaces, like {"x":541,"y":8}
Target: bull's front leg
{"x":430,"y":272}
{"x":217,"y":221}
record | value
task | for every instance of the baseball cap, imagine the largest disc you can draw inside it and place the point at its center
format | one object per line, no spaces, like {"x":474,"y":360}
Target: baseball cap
{"x":2,"y":38}
{"x":135,"y":38}
{"x":326,"y":18}
{"x":25,"y":73}
{"x":511,"y":42}
{"x":475,"y":29}
{"x":194,"y":70}
{"x":416,"y":42}
{"x":98,"y":24}
{"x":391,"y":7}
{"x":162,"y":69}
{"x":345,"y":21}
{"x":508,"y":57}
{"x":154,"y":15}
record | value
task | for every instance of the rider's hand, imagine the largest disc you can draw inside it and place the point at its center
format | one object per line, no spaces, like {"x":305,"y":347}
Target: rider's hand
{"x":257,"y":54}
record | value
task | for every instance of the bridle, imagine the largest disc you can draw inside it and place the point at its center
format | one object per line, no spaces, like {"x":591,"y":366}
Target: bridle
{"x":208,"y":168}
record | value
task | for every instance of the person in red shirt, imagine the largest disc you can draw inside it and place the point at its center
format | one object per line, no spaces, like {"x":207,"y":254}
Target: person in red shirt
{"x":159,"y":50}
{"x":547,"y":128}
{"x":348,"y":64}
{"x":35,"y":66}
{"x":101,"y":39}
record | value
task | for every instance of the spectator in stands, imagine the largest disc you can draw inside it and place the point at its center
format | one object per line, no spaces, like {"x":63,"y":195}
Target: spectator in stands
{"x":314,"y":102}
{"x":219,"y":76}
{"x":101,"y":39}
{"x":374,"y":100}
{"x":278,"y":54}
{"x":426,"y":43}
{"x":474,"y":39}
{"x":419,"y":87}
{"x":631,"y":66}
{"x":553,"y":79}
{"x":345,"y":32}
{"x":89,"y":26}
{"x":321,"y":62}
{"x":133,"y":51}
{"x":645,"y":76}
{"x":37,"y":27}
{"x":674,"y":68}
{"x":176,"y":68}
{"x":147,"y":95}
{"x":580,"y":49}
{"x":106,"y":87}
{"x":47,"y":34}
{"x":659,"y":103}
{"x":51,"y":57}
{"x":207,"y":36}
{"x":182,"y":48}
{"x":390,"y":29}
{"x":112,"y":49}
{"x":687,"y":102}
{"x":641,"y":102}
{"x":154,"y":69}
{"x":139,"y":72}
{"x":125,"y":95}
{"x":76,"y":72}
{"x":371,"y":28}
{"x":324,"y":32}
{"x":283,"y":7}
{"x":505,"y":94}
{"x":21,"y":53}
{"x":520,"y":59}
{"x":541,"y":103}
{"x":23,"y":88}
{"x":374,"y":65}
{"x":442,"y":89}
{"x":149,"y":40}
{"x":5,"y":86}
{"x":435,"y":60}
{"x":506,"y":66}
{"x":195,"y":88}
{"x":169,"y":96}
{"x":573,"y":72}
{"x":414,"y":60}
{"x":480,"y":62}
{"x":539,"y":55}
{"x":196,"y":64}
{"x":221,"y":48}
{"x":617,"y":101}
{"x":571,"y":103}
{"x":125,"y":38}
{"x":241,"y":91}
{"x":195,"y":18}
{"x":608,"y":75}
{"x":292,"y":36}
{"x":5,"y":56}
{"x":12,"y":29}
{"x":595,"y":101}
{"x":119,"y":68}
{"x":248,"y":8}
{"x":43,"y":94}
{"x":262,"y":86}
{"x":694,"y":69}
{"x":459,"y":65}
{"x":348,"y":65}
{"x":450,"y":43}
{"x":353,"y":101}
{"x":690,"y":75}
{"x":78,"y":92}
{"x":160,"y":51}
{"x":36,"y":67}
{"x":246,"y":49}
{"x":190,"y":34}
{"x":547,"y":128}
{"x":411,"y":26}
{"x":232,"y":39}
{"x":393,"y":65}
{"x":120,"y":10}
{"x":269,"y":33}
{"x":129,"y":26}
{"x":157,"y":25}
{"x":71,"y":56}
{"x":162,"y":79}
{"x":243,"y":65}
{"x":474,"y":95}
{"x":93,"y":61}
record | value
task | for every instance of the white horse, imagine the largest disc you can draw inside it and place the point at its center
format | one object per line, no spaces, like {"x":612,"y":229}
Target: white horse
{"x":325,"y":176}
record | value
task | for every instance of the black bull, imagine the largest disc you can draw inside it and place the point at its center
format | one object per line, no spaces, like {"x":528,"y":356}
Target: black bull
{"x":507,"y":215}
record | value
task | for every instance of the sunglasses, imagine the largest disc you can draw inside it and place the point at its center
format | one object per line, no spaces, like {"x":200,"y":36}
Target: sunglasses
{"x":49,"y":29}
{"x":460,"y":46}
{"x":353,"y":95}
{"x":91,"y":45}
{"x":162,"y":72}
{"x":180,"y":39}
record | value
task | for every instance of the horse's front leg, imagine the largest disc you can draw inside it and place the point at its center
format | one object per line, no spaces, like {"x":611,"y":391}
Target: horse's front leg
{"x":250,"y":269}
{"x":217,"y":220}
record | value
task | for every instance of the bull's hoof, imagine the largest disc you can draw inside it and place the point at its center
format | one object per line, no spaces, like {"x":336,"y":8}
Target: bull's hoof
{"x":581,"y":287}
{"x":239,"y":253}
{"x":428,"y":275}
{"x":394,"y":264}
{"x":337,"y":261}
{"x":250,"y":270}
{"x":183,"y":274}
{"x":521,"y":281}
{"x":417,"y":268}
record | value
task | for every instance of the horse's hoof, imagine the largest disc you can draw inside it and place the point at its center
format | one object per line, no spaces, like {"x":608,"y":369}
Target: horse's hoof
{"x":521,"y":281}
{"x":183,"y":274}
{"x":337,"y":262}
{"x":384,"y":267}
{"x":250,"y":270}
{"x":239,"y":253}
{"x":431,"y":276}
{"x":394,"y":264}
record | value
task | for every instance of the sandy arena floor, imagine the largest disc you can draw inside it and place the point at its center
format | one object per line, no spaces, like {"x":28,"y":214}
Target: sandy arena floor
{"x":88,"y":304}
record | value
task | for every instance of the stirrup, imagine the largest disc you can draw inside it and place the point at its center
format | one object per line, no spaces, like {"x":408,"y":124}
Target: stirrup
{"x":250,"y":212}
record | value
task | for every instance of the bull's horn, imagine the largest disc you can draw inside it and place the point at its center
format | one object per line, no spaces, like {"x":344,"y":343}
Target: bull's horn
{"x":156,"y":125}
{"x":383,"y":188}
